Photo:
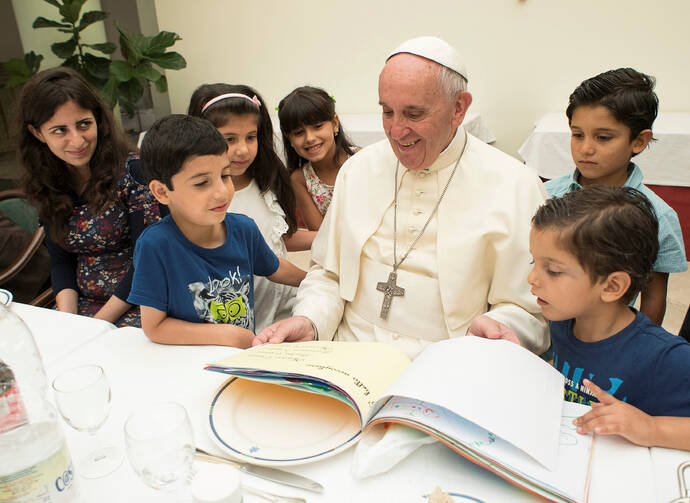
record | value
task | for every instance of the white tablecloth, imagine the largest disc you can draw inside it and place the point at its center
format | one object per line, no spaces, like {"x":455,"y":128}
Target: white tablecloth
{"x":141,"y":371}
{"x":663,"y":162}
{"x":365,"y":129}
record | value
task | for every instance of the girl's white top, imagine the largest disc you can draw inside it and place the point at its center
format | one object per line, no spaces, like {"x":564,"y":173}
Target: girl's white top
{"x":272,"y":301}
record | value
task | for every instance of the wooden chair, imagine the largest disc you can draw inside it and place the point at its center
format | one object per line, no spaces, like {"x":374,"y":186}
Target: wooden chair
{"x":13,"y":203}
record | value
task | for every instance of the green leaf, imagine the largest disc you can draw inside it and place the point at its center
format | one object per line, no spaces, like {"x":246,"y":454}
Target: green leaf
{"x":53,"y":2}
{"x":71,"y":31}
{"x":15,"y":80}
{"x":132,"y":45}
{"x":161,"y":84}
{"x":121,"y":70}
{"x":97,"y":66}
{"x":70,"y":10}
{"x":105,"y":47}
{"x":169,"y":60}
{"x":16,"y":66}
{"x":146,"y":71}
{"x":162,"y":41}
{"x":41,"y":22}
{"x":131,"y":91}
{"x":73,"y":62}
{"x":64,"y":49}
{"x":90,"y":17}
{"x":33,"y":61}
{"x":109,"y":91}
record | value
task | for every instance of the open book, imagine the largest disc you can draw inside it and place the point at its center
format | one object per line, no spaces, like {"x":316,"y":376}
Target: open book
{"x":494,"y":402}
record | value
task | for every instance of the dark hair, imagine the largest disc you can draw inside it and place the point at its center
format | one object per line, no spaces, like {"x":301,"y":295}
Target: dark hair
{"x":174,"y":139}
{"x":267,"y":169}
{"x":49,"y":185}
{"x":306,"y":106}
{"x":608,"y":229}
{"x":627,"y":93}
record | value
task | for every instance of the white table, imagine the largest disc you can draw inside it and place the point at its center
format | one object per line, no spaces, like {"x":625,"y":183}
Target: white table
{"x":365,"y":129}
{"x":664,"y":162}
{"x":141,"y":371}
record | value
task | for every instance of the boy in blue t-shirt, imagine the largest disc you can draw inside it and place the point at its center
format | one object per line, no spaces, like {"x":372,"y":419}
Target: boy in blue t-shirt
{"x":593,"y":250}
{"x":194,"y":269}
{"x":610,"y":117}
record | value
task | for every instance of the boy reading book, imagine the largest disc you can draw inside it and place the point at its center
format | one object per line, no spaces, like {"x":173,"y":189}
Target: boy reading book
{"x":610,"y":117}
{"x":194,"y":268}
{"x":593,"y":250}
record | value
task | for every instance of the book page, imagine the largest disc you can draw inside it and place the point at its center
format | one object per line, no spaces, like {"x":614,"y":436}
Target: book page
{"x":496,"y":384}
{"x":568,"y":479}
{"x":363,"y":370}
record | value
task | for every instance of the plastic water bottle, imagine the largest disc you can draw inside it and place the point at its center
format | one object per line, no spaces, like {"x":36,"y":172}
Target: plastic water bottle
{"x":35,"y":465}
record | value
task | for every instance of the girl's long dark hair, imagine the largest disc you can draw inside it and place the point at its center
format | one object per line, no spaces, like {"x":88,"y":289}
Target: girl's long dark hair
{"x":267,"y":169}
{"x":48,"y":184}
{"x":306,"y":106}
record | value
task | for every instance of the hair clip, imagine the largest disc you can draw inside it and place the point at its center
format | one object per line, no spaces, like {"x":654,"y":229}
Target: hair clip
{"x":333,"y":98}
{"x":253,"y":99}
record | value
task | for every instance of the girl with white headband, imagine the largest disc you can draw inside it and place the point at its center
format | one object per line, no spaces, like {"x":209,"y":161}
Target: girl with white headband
{"x":262,"y":185}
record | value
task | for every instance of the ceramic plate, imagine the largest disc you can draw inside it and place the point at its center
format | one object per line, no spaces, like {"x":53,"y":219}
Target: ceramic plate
{"x":273,"y":425}
{"x":5,"y":297}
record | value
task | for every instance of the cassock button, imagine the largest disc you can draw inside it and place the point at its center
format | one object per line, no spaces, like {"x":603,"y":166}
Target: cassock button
{"x":418,"y":193}
{"x":412,"y":230}
{"x":421,"y":174}
{"x":417,"y":211}
{"x":396,"y":337}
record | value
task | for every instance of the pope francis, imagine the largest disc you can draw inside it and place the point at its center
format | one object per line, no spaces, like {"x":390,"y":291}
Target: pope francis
{"x":427,"y":234}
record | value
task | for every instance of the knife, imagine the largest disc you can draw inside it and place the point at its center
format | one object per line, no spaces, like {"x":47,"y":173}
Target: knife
{"x":264,"y":472}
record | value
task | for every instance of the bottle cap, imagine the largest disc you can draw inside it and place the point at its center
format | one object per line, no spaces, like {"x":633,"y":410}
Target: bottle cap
{"x":215,"y":483}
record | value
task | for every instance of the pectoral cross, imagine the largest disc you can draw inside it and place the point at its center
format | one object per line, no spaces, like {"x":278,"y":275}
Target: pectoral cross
{"x":390,"y":290}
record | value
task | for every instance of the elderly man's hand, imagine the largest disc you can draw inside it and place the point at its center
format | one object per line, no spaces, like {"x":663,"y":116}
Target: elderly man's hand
{"x":295,"y":329}
{"x":483,"y":326}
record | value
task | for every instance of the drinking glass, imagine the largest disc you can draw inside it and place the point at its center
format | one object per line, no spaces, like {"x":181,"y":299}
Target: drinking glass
{"x":160,"y":447}
{"x":82,"y":395}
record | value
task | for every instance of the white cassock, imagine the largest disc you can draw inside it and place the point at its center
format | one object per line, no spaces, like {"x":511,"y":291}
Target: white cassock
{"x":473,"y":258}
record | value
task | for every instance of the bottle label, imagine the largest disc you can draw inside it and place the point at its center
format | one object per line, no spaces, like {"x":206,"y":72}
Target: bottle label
{"x":49,"y":481}
{"x":12,"y":410}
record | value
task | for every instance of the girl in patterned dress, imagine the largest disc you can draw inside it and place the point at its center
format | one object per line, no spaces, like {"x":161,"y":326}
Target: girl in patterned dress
{"x":315,"y":146}
{"x":78,"y":175}
{"x":262,"y":185}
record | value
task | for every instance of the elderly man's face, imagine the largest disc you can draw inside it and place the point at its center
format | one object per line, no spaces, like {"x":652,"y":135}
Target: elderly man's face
{"x":418,"y":118}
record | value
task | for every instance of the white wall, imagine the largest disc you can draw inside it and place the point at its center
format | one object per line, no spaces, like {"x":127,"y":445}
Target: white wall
{"x":524,"y":56}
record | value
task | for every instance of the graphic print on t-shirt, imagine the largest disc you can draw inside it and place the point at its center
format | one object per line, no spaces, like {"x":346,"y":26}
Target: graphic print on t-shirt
{"x":224,"y":301}
{"x":576,"y":391}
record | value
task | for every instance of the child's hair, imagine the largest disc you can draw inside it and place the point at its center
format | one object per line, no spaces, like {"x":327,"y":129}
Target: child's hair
{"x":607,"y":229}
{"x":172,"y":140}
{"x":627,"y":93}
{"x":46,"y":182}
{"x":267,"y":169}
{"x":306,"y":106}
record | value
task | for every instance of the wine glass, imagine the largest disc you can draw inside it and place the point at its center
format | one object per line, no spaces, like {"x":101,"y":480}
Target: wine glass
{"x":160,"y":447}
{"x":82,"y":395}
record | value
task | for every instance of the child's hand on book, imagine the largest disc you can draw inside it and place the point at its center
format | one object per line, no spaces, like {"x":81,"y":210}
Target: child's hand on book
{"x":613,"y":417}
{"x":488,"y":328}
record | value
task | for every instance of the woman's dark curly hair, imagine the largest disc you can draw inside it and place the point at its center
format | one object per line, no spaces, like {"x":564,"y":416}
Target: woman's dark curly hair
{"x":267,"y":169}
{"x":48,"y":184}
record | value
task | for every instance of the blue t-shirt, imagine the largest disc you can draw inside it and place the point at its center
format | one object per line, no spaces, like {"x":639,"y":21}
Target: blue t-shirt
{"x":642,"y":365}
{"x":671,"y":256}
{"x":197,"y":284}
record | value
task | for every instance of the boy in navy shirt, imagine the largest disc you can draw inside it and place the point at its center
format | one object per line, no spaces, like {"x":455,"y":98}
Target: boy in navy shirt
{"x":593,"y":250}
{"x":194,"y":269}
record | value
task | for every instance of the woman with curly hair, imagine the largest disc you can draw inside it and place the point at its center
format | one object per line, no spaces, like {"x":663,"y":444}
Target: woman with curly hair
{"x":81,"y":179}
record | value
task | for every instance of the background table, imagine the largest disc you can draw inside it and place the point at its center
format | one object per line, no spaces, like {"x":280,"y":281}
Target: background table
{"x":365,"y":129}
{"x":141,"y":371}
{"x":665,"y":163}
